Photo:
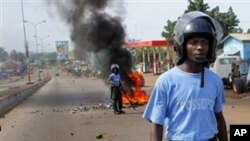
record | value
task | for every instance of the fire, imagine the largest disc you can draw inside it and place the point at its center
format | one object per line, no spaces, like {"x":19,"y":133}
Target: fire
{"x":138,"y":96}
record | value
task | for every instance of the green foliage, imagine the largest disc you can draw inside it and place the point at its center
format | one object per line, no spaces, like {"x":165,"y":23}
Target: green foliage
{"x":3,"y":55}
{"x":137,"y":54}
{"x":169,"y":30}
{"x":228,"y":19}
{"x":197,"y":5}
{"x":248,"y":31}
{"x":163,"y":53}
{"x":229,"y":22}
{"x":18,"y":56}
{"x":237,"y":30}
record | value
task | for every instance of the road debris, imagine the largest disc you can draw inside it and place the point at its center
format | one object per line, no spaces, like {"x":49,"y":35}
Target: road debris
{"x":99,"y":136}
{"x":85,"y":108}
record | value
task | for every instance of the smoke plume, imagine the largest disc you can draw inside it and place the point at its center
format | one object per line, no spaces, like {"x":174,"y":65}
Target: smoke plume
{"x":96,"y":34}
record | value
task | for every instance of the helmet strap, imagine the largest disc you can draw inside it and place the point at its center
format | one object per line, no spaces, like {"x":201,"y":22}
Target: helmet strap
{"x":202,"y":78}
{"x":197,"y":62}
{"x":200,"y":63}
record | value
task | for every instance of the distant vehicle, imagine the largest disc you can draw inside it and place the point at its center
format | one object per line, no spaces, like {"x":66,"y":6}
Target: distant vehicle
{"x":223,"y":65}
{"x":232,"y":71}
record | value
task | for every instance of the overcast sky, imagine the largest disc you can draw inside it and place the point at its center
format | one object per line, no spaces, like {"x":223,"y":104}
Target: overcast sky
{"x":143,"y":19}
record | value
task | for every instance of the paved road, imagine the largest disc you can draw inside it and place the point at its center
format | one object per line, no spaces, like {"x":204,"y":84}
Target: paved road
{"x":54,"y":112}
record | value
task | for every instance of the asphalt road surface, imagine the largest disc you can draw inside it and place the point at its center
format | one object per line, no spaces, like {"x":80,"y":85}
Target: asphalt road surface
{"x":54,"y":112}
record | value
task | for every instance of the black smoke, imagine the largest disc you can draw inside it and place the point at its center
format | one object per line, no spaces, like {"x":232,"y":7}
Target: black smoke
{"x":93,"y":30}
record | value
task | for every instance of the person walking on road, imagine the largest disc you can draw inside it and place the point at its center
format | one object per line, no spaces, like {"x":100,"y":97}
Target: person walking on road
{"x":116,"y":94}
{"x":187,"y":101}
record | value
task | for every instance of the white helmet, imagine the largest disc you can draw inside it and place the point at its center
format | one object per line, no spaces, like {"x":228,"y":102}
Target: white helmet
{"x":114,"y":66}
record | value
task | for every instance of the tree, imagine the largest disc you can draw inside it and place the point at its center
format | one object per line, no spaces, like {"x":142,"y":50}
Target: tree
{"x":13,"y":55}
{"x":228,"y":20}
{"x":197,"y":5}
{"x":137,"y":54}
{"x":169,"y":29}
{"x":216,"y":14}
{"x":3,"y":55}
{"x":51,"y":58}
{"x":248,"y":31}
{"x":237,"y":30}
{"x":18,"y":56}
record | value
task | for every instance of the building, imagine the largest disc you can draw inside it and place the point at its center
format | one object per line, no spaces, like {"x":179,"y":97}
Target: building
{"x":237,"y":44}
{"x":152,"y":61}
{"x":11,"y":67}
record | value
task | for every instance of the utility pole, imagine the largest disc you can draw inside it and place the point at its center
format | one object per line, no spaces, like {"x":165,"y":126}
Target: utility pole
{"x":35,"y":26}
{"x":26,"y":46}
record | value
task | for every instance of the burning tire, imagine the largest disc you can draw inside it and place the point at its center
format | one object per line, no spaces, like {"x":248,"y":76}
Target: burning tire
{"x":238,"y":85}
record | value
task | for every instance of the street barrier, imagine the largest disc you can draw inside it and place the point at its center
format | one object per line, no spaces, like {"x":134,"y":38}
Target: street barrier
{"x":13,"y":99}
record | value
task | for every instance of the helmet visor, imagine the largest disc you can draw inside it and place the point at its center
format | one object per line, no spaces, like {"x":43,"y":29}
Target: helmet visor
{"x":187,"y":18}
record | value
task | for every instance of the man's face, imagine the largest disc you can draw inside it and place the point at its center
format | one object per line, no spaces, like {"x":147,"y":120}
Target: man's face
{"x":197,"y":48}
{"x":115,"y":70}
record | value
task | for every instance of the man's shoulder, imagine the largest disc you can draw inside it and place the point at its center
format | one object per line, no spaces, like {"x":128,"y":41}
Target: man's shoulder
{"x":111,"y":75}
{"x":211,"y":73}
{"x":168,"y":74}
{"x":171,"y":71}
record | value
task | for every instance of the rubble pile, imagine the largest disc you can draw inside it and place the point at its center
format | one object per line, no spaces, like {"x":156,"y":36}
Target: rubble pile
{"x":85,"y":108}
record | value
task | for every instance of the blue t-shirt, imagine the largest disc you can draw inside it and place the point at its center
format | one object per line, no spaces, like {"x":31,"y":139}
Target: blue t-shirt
{"x":187,"y":110}
{"x":115,"y":78}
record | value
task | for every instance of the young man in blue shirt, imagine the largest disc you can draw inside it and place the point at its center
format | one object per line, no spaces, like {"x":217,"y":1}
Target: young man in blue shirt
{"x":188,"y":99}
{"x":116,"y":94}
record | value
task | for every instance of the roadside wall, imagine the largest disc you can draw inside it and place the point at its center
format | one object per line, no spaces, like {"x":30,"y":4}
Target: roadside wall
{"x":12,"y":100}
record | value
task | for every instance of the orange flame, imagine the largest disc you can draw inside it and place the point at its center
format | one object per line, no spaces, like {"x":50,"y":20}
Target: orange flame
{"x":138,"y":96}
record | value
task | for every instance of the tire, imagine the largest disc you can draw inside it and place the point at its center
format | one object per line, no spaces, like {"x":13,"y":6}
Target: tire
{"x":226,"y":82}
{"x":238,"y":85}
{"x":243,"y":78}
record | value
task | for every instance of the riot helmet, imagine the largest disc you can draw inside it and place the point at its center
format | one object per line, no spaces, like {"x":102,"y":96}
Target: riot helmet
{"x":196,"y":24}
{"x":113,"y":66}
